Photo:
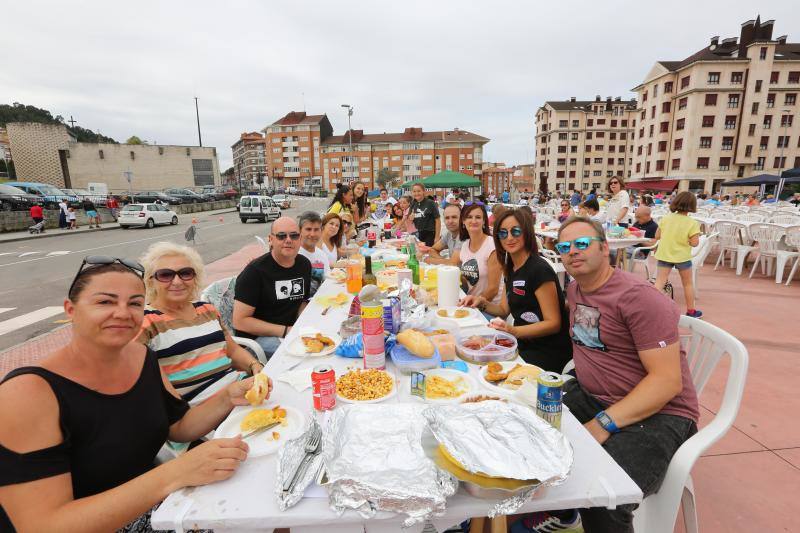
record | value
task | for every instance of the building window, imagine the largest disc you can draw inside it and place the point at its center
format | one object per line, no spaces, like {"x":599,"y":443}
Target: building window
{"x":702,"y":162}
{"x":708,"y":121}
{"x":562,"y":149}
{"x":713,"y":78}
{"x":786,"y":120}
{"x":760,"y":163}
{"x":796,"y":162}
{"x":625,"y":124}
{"x":779,"y":162}
{"x":758,"y":86}
{"x":767,"y":122}
{"x":590,"y":122}
{"x":601,"y":134}
{"x":653,"y":112}
{"x":662,"y":146}
{"x":774,"y":77}
{"x":664,"y":127}
{"x":585,"y":173}
{"x":668,"y":87}
{"x":724,"y":163}
{"x":644,"y":97}
{"x":676,"y":164}
{"x":638,"y":167}
{"x":764,"y":142}
{"x":754,"y":109}
{"x":589,"y":135}
{"x":751,"y":130}
{"x":711,"y":99}
{"x":601,"y":122}
{"x":748,"y":150}
{"x":727,"y":143}
{"x":736,"y":78}
{"x":133,"y":154}
{"x":733,"y":101}
{"x":562,"y":123}
{"x":679,"y":124}
{"x":665,"y":107}
{"x":100,"y":153}
{"x":652,"y":127}
{"x":705,"y":142}
{"x":790,"y":99}
{"x":783,"y":141}
{"x":730,"y":122}
{"x":574,"y":136}
{"x":575,"y":123}
{"x":659,"y":165}
{"x":683,"y":102}
{"x":763,"y":53}
{"x":770,"y":100}
{"x":685,"y":82}
{"x":678,"y":144}
{"x":794,"y":77}
{"x":562,"y":136}
{"x":598,"y":160}
{"x":613,"y":124}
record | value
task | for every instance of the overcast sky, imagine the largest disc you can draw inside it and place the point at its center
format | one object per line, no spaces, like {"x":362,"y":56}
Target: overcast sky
{"x":133,"y":68}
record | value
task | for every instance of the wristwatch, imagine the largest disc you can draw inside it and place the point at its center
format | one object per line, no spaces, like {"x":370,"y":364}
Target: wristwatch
{"x":606,"y":422}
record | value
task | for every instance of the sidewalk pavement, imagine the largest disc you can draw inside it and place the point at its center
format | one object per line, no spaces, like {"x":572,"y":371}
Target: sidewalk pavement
{"x":14,"y":236}
{"x":749,"y":479}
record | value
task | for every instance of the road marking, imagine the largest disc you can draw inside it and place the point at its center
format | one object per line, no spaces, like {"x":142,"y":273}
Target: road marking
{"x":8,"y":253}
{"x":60,"y":252}
{"x":6,"y":309}
{"x":30,"y":253}
{"x":29,"y":318}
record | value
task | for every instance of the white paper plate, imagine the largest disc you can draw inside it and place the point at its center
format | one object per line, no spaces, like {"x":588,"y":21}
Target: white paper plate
{"x":507,"y":365}
{"x":473,"y":313}
{"x":298,"y":349}
{"x":450,"y":374}
{"x":376,"y":400}
{"x":262,"y":444}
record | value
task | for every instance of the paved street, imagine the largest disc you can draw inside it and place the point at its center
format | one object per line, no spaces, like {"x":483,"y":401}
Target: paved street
{"x":35,"y":274}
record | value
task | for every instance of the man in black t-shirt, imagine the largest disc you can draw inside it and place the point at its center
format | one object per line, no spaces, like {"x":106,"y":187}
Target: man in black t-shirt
{"x":426,"y":215}
{"x":644,"y":222}
{"x":273,"y":290}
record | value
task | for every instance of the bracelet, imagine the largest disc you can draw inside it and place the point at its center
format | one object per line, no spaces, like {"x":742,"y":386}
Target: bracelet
{"x":250,"y":366}
{"x":285,"y":329}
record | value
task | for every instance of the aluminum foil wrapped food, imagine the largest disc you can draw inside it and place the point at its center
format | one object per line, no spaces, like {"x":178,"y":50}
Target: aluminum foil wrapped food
{"x":502,"y":439}
{"x":289,"y":458}
{"x":374,"y":461}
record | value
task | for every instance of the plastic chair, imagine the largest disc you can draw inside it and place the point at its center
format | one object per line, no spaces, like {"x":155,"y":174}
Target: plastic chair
{"x":750,"y":217}
{"x":720,"y":215}
{"x":641,"y":255}
{"x":704,"y":347}
{"x":768,"y":237}
{"x":220,"y":294}
{"x":730,"y":240}
{"x":262,"y":242}
{"x":792,"y":239}
{"x":785,"y":218}
{"x":699,"y":255}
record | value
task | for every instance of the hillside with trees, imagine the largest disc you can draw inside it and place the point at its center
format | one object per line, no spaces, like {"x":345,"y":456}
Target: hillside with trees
{"x":17,"y":112}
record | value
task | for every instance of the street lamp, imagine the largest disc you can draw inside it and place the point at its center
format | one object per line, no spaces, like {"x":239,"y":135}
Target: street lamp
{"x":350,"y":133}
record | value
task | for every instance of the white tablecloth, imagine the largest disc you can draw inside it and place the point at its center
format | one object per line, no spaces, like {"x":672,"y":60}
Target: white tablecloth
{"x":246,"y":502}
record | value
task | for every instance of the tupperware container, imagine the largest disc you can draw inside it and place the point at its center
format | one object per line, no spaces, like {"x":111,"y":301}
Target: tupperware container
{"x":407,"y":362}
{"x":501,"y":347}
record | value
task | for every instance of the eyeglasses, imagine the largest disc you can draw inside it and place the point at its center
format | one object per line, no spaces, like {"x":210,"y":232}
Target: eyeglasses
{"x":281,"y":235}
{"x":613,"y":183}
{"x":166,"y":275}
{"x":502,"y":234}
{"x":99,"y":260}
{"x":346,"y":223}
{"x":581,"y":243}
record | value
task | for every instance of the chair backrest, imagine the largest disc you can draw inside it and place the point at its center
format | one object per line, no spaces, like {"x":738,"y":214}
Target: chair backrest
{"x":730,"y":233}
{"x":785,"y":218}
{"x":705,"y":345}
{"x":262,"y":242}
{"x":719,"y":215}
{"x":750,"y":217}
{"x":793,"y":237}
{"x":220,"y":294}
{"x":768,"y":236}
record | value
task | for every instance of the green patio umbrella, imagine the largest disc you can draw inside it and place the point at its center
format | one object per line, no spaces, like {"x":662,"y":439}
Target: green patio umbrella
{"x":446,"y":179}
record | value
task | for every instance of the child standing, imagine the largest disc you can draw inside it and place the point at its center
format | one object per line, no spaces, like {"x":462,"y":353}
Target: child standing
{"x":71,"y":218}
{"x":678,"y":233}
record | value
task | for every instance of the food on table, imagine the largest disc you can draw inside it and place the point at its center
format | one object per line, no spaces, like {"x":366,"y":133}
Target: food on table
{"x":387,"y":277}
{"x":505,"y":343}
{"x":316,"y":343}
{"x":258,"y":418}
{"x":259,"y":390}
{"x":438,"y":387}
{"x":497,"y":322}
{"x":276,"y":435}
{"x":481,"y":398}
{"x":445,"y":343}
{"x":416,"y":342}
{"x":395,"y":263}
{"x":458,"y":313}
{"x":334,"y":300}
{"x":433,"y":332}
{"x":362,"y":385}
{"x":514,"y":378}
{"x":476,"y":342}
{"x":338,"y":275}
{"x":494,"y":372}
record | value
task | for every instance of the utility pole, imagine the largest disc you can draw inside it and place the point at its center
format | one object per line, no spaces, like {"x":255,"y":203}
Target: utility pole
{"x":349,"y":132}
{"x":197,"y":113}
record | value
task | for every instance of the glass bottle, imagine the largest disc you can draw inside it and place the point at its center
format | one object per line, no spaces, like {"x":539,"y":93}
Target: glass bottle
{"x":413,"y":263}
{"x":368,"y":278}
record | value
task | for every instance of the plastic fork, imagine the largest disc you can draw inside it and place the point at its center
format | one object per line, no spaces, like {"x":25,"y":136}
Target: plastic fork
{"x":311,"y":448}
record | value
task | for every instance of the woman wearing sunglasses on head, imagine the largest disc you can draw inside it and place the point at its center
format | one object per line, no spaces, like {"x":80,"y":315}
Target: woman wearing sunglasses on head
{"x":194,"y":349}
{"x":479,"y":265}
{"x":80,"y":432}
{"x":532,"y":295}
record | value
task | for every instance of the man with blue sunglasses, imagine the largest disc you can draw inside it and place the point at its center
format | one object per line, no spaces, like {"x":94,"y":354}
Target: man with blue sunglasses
{"x":633,"y":391}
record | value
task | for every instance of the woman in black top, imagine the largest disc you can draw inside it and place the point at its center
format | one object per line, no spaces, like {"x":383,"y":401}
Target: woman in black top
{"x":533,"y":295}
{"x":425,"y":215}
{"x":79,"y":433}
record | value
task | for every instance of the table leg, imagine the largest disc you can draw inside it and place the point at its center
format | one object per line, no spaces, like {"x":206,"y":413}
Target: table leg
{"x":499,"y":524}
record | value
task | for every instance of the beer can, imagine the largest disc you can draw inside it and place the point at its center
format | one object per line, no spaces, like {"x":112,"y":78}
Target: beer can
{"x":323,"y":382}
{"x":549,"y":398}
{"x":372,"y":335}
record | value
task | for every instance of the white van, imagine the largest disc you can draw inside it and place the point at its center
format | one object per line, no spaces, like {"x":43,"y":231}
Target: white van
{"x":262,"y":208}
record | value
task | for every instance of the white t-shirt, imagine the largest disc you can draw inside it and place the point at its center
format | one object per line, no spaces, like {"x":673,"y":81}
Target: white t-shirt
{"x":615,"y":206}
{"x":331,"y":254}
{"x":319,"y":267}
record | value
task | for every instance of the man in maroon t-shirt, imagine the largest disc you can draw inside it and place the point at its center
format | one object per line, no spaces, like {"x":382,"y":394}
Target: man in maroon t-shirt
{"x":633,"y":391}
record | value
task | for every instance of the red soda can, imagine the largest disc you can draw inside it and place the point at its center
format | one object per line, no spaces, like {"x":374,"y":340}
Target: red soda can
{"x":323,"y":382}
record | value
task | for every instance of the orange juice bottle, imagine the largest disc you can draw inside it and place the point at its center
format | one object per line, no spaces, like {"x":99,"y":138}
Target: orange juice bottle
{"x":353,"y":276}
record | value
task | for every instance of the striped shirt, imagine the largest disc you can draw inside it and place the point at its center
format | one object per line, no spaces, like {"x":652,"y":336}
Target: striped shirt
{"x":192,"y":353}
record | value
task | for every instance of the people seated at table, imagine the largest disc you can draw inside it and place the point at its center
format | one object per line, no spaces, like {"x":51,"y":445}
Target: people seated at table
{"x":677,"y":234}
{"x":751,"y":200}
{"x":450,"y":239}
{"x":591,"y":209}
{"x":643,"y":217}
{"x":496,"y":210}
{"x":425,"y":214}
{"x":349,"y":232}
{"x":273,"y":289}
{"x":407,"y":222}
{"x":620,"y":203}
{"x":310,"y":234}
{"x":331,"y":239}
{"x":342,"y":201}
{"x":480,"y":269}
{"x":532,"y":295}
{"x":80,"y":431}
{"x":384,"y":204}
{"x":633,"y":391}
{"x":360,"y":205}
{"x":193,"y":348}
{"x":566,"y":211}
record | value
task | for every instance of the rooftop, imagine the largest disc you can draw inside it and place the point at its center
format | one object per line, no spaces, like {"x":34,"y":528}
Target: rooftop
{"x":409,"y":135}
{"x":572,"y":103}
{"x":293,"y":118}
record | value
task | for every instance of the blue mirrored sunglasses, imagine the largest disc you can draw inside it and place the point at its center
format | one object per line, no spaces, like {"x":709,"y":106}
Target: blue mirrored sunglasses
{"x":502,"y":234}
{"x":581,"y":243}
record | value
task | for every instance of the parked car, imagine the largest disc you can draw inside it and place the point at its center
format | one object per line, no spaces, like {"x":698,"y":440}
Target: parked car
{"x":282,"y":200}
{"x":14,"y":199}
{"x":151,"y":196}
{"x":188,"y":196}
{"x":46,"y":193}
{"x":83,"y":194}
{"x":147,"y":215}
{"x":228,"y":192}
{"x":261,"y":208}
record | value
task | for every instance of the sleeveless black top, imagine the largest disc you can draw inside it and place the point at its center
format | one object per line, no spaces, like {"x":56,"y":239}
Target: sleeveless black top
{"x":109,"y":439}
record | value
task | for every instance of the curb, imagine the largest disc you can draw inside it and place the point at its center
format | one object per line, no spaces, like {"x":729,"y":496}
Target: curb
{"x":54,"y":232}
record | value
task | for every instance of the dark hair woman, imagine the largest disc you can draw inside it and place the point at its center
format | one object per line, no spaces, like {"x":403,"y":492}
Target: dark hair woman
{"x":79,"y":433}
{"x":342,"y":201}
{"x":360,"y":203}
{"x":331,"y":240}
{"x":532,"y":295}
{"x":477,"y":257}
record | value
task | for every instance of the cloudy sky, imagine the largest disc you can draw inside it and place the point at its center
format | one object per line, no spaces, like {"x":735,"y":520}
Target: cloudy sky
{"x":134,"y":68}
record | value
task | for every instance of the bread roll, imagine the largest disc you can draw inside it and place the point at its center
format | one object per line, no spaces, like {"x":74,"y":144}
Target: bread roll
{"x":416,"y":342}
{"x":259,"y":390}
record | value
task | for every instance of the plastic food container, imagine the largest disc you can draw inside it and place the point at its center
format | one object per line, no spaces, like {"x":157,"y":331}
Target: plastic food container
{"x":407,"y":362}
{"x":481,"y":349}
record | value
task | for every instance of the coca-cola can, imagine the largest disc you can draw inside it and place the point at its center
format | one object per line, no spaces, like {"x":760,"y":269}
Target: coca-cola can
{"x":323,"y":382}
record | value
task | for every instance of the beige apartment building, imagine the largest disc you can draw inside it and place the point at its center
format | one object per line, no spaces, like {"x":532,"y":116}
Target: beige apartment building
{"x":580,"y":144}
{"x":47,"y":153}
{"x":301,"y":151}
{"x":249,"y":158}
{"x":729,"y":110}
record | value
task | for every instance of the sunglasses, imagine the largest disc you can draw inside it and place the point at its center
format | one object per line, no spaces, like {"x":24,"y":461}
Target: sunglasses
{"x":166,"y":275}
{"x":99,"y":260}
{"x":613,"y":183}
{"x":281,"y":235}
{"x":502,"y":234}
{"x":348,"y":223}
{"x":581,"y":243}
{"x":475,"y":202}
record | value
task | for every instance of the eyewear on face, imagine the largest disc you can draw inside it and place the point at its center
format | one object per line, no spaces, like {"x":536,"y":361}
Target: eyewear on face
{"x":474,"y":202}
{"x":99,"y":260}
{"x":281,"y":235}
{"x":581,"y":243}
{"x":348,"y":223}
{"x":502,"y":234}
{"x":166,"y":275}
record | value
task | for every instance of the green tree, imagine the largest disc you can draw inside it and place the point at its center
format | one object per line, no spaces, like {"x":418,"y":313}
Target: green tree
{"x":385,"y":177}
{"x":133,"y":139}
{"x":17,"y":112}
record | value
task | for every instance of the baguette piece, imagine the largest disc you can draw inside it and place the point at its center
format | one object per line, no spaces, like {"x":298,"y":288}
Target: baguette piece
{"x":416,"y":342}
{"x":259,"y":390}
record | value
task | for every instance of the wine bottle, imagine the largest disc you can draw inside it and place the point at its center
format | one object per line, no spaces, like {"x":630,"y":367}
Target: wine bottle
{"x":368,"y":278}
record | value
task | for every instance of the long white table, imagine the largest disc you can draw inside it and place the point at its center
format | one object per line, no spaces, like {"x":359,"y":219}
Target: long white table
{"x":246,"y":502}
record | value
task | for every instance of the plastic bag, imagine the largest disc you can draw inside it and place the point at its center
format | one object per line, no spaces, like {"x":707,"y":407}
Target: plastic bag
{"x":352,"y":347}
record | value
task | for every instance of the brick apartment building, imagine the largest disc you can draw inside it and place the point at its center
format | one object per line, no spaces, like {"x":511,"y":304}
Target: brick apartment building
{"x":249,"y":158}
{"x":300,"y":150}
{"x":580,"y":144}
{"x":729,"y":110}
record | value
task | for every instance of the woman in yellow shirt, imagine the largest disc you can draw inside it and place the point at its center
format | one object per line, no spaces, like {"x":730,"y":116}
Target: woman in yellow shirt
{"x":677,"y":234}
{"x":343,"y":201}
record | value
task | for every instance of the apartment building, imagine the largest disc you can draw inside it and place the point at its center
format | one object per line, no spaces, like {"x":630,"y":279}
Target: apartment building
{"x":729,"y":110}
{"x":497,"y":177}
{"x":249,"y":159}
{"x":580,"y":143}
{"x":293,"y":148}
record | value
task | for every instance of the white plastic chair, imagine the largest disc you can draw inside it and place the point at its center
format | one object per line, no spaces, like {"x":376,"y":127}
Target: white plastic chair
{"x":262,"y":242}
{"x":641,"y":256}
{"x":792,"y":240}
{"x":704,"y":347}
{"x":730,"y":240}
{"x":750,"y":217}
{"x":554,"y":260}
{"x":785,"y":218}
{"x":768,"y":237}
{"x":220,"y":294}
{"x":699,"y":255}
{"x":721,"y":215}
